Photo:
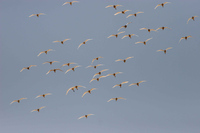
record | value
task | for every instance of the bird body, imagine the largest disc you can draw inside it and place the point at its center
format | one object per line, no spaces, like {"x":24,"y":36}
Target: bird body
{"x":129,"y":35}
{"x":18,"y":100}
{"x":116,"y":99}
{"x":86,"y":116}
{"x":54,"y":70}
{"x":125,"y":26}
{"x":73,"y":69}
{"x":114,"y":6}
{"x":50,"y":62}
{"x":124,"y":60}
{"x":38,"y":110}
{"x":134,"y":14}
{"x":43,"y":95}
{"x":191,"y":18}
{"x":89,"y":91}
{"x":114,"y":74}
{"x":144,"y":41}
{"x":186,"y":37}
{"x":37,"y":14}
{"x":123,"y":12}
{"x":120,"y":85}
{"x":97,"y":78}
{"x":165,"y":50}
{"x":162,"y":4}
{"x":27,"y":67}
{"x":84,"y":42}
{"x":61,"y":41}
{"x":45,"y":52}
{"x":70,"y":3}
{"x":138,"y":83}
{"x":97,"y":58}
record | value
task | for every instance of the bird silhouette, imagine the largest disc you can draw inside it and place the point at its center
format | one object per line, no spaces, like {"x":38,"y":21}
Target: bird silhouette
{"x":162,"y":4}
{"x":144,"y":41}
{"x":191,"y":18}
{"x":124,"y":26}
{"x":27,"y":67}
{"x":54,"y":70}
{"x":165,"y":50}
{"x":97,"y":78}
{"x":116,"y":35}
{"x":124,"y":60}
{"x":70,"y":3}
{"x":86,"y":116}
{"x":116,"y":99}
{"x":62,"y":41}
{"x":120,"y":85}
{"x":123,"y":12}
{"x":84,"y":42}
{"x":114,"y":6}
{"x":114,"y":74}
{"x":50,"y":62}
{"x":129,"y":35}
{"x":149,"y":30}
{"x":45,"y":52}
{"x":97,"y":58}
{"x":94,"y":66}
{"x":134,"y":14}
{"x":37,"y":14}
{"x":99,"y":73}
{"x":186,"y":37}
{"x":43,"y":95}
{"x":163,"y":28}
{"x":73,"y":69}
{"x":89,"y":91}
{"x":38,"y":110}
{"x":18,"y":100}
{"x":68,"y":64}
{"x":138,"y":83}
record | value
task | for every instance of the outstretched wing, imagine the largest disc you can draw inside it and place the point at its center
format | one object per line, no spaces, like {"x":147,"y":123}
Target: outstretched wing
{"x":110,"y":99}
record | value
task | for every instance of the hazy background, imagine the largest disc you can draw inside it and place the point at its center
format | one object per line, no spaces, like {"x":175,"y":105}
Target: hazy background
{"x":168,"y":102}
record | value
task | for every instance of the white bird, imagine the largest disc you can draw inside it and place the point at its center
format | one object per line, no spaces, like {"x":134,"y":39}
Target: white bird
{"x":37,"y":14}
{"x":163,"y":28}
{"x":50,"y":62}
{"x":123,"y":12}
{"x":74,"y":87}
{"x":68,"y":64}
{"x":124,"y":60}
{"x":114,"y":6}
{"x":149,"y":30}
{"x":99,"y":73}
{"x":129,"y":35}
{"x":97,"y":58}
{"x":97,"y":78}
{"x":144,"y":41}
{"x":186,"y":37}
{"x":38,"y":110}
{"x":85,"y":116}
{"x":84,"y":42}
{"x":69,"y":2}
{"x":95,"y":66}
{"x":17,"y":100}
{"x":116,"y":35}
{"x":134,"y":14}
{"x":43,"y":95}
{"x":120,"y":85}
{"x":165,"y":50}
{"x":114,"y":74}
{"x":138,"y":83}
{"x":54,"y":70}
{"x":27,"y":67}
{"x":191,"y":18}
{"x":73,"y":69}
{"x":45,"y":52}
{"x":162,"y":4}
{"x":62,"y":41}
{"x":89,"y":91}
{"x":125,"y":26}
{"x":116,"y":99}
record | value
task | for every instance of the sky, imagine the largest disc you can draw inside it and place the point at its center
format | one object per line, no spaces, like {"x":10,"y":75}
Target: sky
{"x":167,"y":102}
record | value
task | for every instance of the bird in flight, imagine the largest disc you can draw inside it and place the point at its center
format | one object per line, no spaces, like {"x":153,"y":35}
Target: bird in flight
{"x":37,"y":14}
{"x":129,"y":35}
{"x":144,"y":41}
{"x":149,"y":30}
{"x":138,"y":83}
{"x":69,"y":3}
{"x":95,"y":66}
{"x":61,"y":41}
{"x":27,"y":67}
{"x":123,"y":12}
{"x":85,"y":116}
{"x":89,"y":91}
{"x":38,"y":110}
{"x":96,"y":59}
{"x":84,"y":42}
{"x":45,"y":52}
{"x":163,"y":28}
{"x":120,"y":85}
{"x":116,"y":99}
{"x":134,"y":14}
{"x":50,"y":62}
{"x":99,"y":73}
{"x":124,"y":60}
{"x":162,"y":4}
{"x":125,"y":26}
{"x":165,"y":50}
{"x":116,"y":35}
{"x":68,"y":64}
{"x":74,"y":87}
{"x":191,"y":18}
{"x":186,"y":37}
{"x":43,"y":95}
{"x":114,"y":6}
{"x":73,"y":68}
{"x":54,"y":70}
{"x":97,"y":78}
{"x":114,"y":74}
{"x":17,"y":100}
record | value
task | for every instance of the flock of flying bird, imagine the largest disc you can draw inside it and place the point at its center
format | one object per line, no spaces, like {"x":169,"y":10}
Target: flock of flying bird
{"x":97,"y":58}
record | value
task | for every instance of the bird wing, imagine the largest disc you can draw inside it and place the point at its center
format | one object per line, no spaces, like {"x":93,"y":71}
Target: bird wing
{"x":143,"y":29}
{"x":22,"y":98}
{"x":92,"y":80}
{"x":166,"y":2}
{"x":189,"y":36}
{"x":66,"y":3}
{"x":47,"y":94}
{"x":84,"y":93}
{"x":39,"y":96}
{"x":157,"y":6}
{"x":42,"y":107}
{"x":89,"y":66}
{"x":49,"y":50}
{"x":129,"y":15}
{"x":138,"y":12}
{"x":120,"y":28}
{"x":68,"y":70}
{"x":118,"y":72}
{"x":188,"y":20}
{"x":40,"y":53}
{"x":104,"y":70}
{"x":124,"y":36}
{"x":115,"y":86}
{"x":69,"y":90}
{"x":133,"y":84}
{"x":109,"y":74}
{"x":160,"y":50}
{"x":169,"y":48}
{"x":74,"y":1}
{"x":118,"y":5}
{"x":34,"y":110}
{"x":59,"y":69}
{"x":181,"y":39}
{"x":121,"y":98}
{"x":23,"y":69}
{"x":56,"y":41}
{"x":79,"y":45}
{"x":117,"y":13}
{"x":81,"y":86}
{"x":158,"y":28}
{"x":49,"y":71}
{"x":141,"y":81}
{"x":55,"y":61}
{"x":41,"y":14}
{"x":148,"y":39}
{"x":111,"y":35}
{"x":129,"y":57}
{"x":102,"y":77}
{"x":88,"y":40}
{"x":126,"y":10}
{"x":90,"y":114}
{"x":46,"y":62}
{"x":66,"y":40}
{"x":109,"y":6}
{"x":124,"y":82}
{"x":32,"y":15}
{"x":95,"y":74}
{"x":118,"y":60}
{"x":110,"y":99}
{"x":81,"y":117}
{"x":139,"y":42}
{"x":99,"y":65}
{"x":32,"y":65}
{"x":120,"y":32}
{"x":134,"y":35}
{"x":93,"y":89}
{"x":13,"y":101}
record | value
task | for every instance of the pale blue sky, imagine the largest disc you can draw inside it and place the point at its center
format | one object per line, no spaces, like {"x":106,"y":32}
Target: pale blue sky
{"x":168,"y":102}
